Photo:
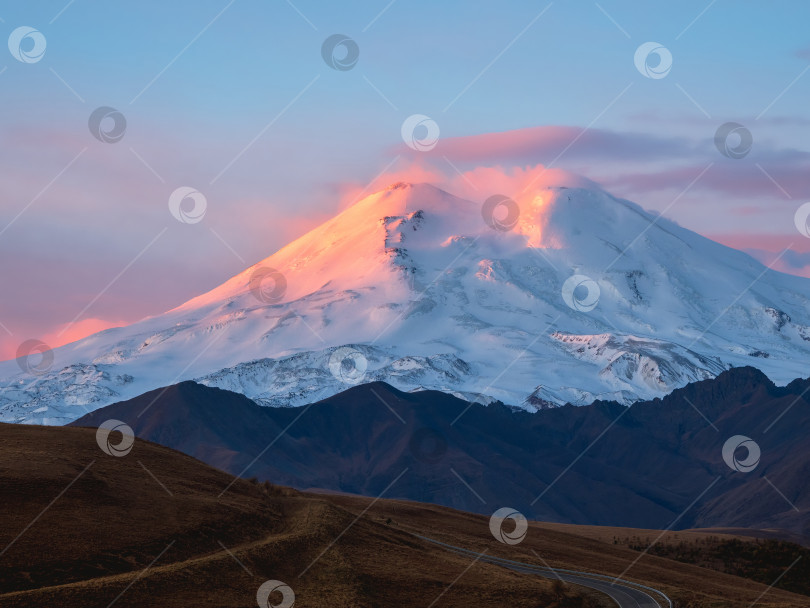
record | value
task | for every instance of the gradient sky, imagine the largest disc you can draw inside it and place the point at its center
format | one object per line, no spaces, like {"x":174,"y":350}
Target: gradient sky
{"x":235,"y":100}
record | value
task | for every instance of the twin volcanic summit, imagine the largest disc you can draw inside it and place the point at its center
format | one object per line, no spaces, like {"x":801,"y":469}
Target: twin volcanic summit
{"x":586,"y":297}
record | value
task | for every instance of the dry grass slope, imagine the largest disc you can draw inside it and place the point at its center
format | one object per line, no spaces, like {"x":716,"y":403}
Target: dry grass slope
{"x":151,"y":529}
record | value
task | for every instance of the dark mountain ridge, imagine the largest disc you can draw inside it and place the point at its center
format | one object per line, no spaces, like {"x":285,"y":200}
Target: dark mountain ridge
{"x":655,"y":464}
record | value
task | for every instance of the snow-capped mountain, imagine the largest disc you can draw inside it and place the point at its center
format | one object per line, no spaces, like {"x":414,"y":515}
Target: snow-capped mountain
{"x":568,"y":295}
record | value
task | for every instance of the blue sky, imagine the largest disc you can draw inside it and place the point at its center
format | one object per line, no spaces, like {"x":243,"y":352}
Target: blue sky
{"x":257,"y":55}
{"x":234,"y":98}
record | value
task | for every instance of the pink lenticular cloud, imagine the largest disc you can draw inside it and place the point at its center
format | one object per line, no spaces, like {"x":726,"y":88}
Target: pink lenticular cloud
{"x":476,"y":184}
{"x":634,"y":162}
{"x":544,"y":143}
{"x":743,"y":180}
{"x":516,"y":182}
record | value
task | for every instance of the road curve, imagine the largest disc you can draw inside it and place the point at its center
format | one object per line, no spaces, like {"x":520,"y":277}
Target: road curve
{"x":626,"y":595}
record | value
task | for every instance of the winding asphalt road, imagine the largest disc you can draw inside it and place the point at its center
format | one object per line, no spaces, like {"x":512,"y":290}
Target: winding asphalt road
{"x":625,"y":594}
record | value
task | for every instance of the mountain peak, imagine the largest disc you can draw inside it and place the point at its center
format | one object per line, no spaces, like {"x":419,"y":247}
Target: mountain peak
{"x":548,"y":216}
{"x":472,"y":297}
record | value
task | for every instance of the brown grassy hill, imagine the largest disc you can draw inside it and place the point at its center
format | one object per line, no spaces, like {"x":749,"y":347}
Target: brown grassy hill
{"x":544,"y":543}
{"x":154,"y":528}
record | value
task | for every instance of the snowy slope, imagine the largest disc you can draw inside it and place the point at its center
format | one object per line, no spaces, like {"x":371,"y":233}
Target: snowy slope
{"x":411,"y":285}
